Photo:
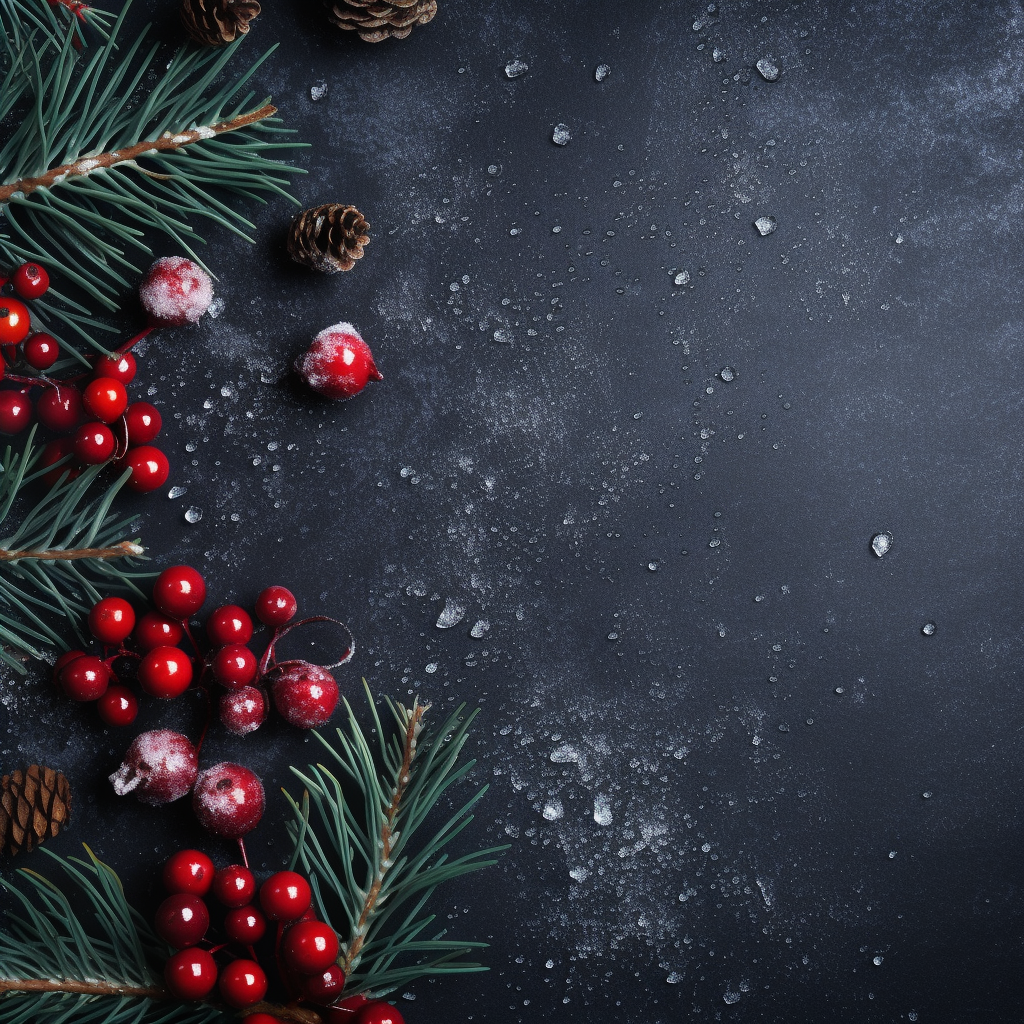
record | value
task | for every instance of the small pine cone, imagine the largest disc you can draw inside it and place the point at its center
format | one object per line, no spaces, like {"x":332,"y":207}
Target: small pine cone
{"x":34,"y":804}
{"x":217,"y":22}
{"x":377,"y":20}
{"x":328,"y":238}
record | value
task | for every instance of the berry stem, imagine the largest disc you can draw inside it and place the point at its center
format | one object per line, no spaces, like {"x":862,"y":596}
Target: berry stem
{"x":126,"y":549}
{"x":134,"y":341}
{"x":245,"y":856}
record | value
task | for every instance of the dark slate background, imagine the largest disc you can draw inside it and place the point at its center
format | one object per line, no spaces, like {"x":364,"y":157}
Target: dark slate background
{"x":814,"y":808}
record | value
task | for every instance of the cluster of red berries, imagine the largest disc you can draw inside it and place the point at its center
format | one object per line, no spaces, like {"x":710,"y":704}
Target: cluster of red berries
{"x":305,"y":948}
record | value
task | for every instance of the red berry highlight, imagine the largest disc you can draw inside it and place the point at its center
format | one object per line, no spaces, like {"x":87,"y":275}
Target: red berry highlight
{"x":15,"y":412}
{"x":324,"y":987}
{"x":285,"y":896}
{"x":105,"y":398}
{"x":30,"y":281}
{"x":242,"y":983}
{"x":234,"y":886}
{"x":305,"y":695}
{"x":94,"y":443}
{"x":378,"y":1013}
{"x":234,"y":666}
{"x":40,"y":351}
{"x":338,"y":364}
{"x":156,"y":630}
{"x":111,"y":620}
{"x":228,"y":800}
{"x":276,"y":606}
{"x":179,"y":591}
{"x":246,"y":925}
{"x":242,"y":711}
{"x":229,"y":624}
{"x":85,"y":678}
{"x":181,"y":920}
{"x":165,"y":672}
{"x":189,"y":871}
{"x":60,"y":408}
{"x":190,"y":974}
{"x":118,"y":706}
{"x":310,"y":947}
{"x":120,"y":367}
{"x":143,"y":422}
{"x":14,"y":321}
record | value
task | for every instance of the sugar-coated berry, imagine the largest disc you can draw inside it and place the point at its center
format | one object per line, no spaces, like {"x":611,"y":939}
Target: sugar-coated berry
{"x":179,"y":591}
{"x":118,"y":707}
{"x":149,"y":467}
{"x":310,"y":947}
{"x":105,"y":398}
{"x":246,"y":925}
{"x":189,"y":871}
{"x":165,"y":672}
{"x":85,"y":678}
{"x":15,"y":412}
{"x":338,"y":364}
{"x":60,"y":408}
{"x":190,"y":974}
{"x":181,"y":920}
{"x":234,"y":886}
{"x":285,"y":896}
{"x":30,"y":281}
{"x":276,"y":606}
{"x":143,"y":422}
{"x":305,"y":695}
{"x":378,"y":1013}
{"x":14,"y":321}
{"x":175,"y":292}
{"x":121,"y":366}
{"x":160,"y":766}
{"x":242,"y":711}
{"x":324,"y":987}
{"x":55,"y":454}
{"x":242,"y":983}
{"x":40,"y":350}
{"x":228,"y":800}
{"x":156,"y":630}
{"x":229,"y":624}
{"x":234,"y":666}
{"x":111,"y":620}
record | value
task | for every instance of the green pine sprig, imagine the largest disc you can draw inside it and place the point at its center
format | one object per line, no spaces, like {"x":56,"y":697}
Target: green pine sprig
{"x":356,"y":835}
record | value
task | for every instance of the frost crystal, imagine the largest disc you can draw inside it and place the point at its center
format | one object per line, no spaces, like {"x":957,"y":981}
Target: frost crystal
{"x":561,"y":135}
{"x":683,"y":277}
{"x":451,"y":615}
{"x":194,"y":514}
{"x":601,"y":72}
{"x":318,"y":91}
{"x":515,"y":68}
{"x":768,"y":68}
{"x":880,"y":543}
{"x":765,"y":225}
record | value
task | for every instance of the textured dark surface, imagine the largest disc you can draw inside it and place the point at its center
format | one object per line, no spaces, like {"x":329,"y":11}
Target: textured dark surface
{"x":553,"y":447}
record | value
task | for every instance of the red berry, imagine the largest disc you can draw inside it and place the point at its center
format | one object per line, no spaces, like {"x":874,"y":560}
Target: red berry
{"x":149,"y":467}
{"x":324,"y":987}
{"x":14,"y":321}
{"x":228,"y":800}
{"x":143,"y":422}
{"x":60,"y":408}
{"x":234,"y":886}
{"x":338,"y":364}
{"x":246,"y":925}
{"x":181,"y":920}
{"x":30,"y":281}
{"x":189,"y":871}
{"x":41,"y":351}
{"x":276,"y":606}
{"x":175,"y":292}
{"x":118,"y":706}
{"x":234,"y":666}
{"x":242,"y":983}
{"x":285,"y":896}
{"x":165,"y":672}
{"x":121,"y":367}
{"x":229,"y":624}
{"x":15,"y":412}
{"x":65,"y":659}
{"x":190,"y":974}
{"x":343,"y":1012}
{"x":310,"y":947}
{"x":94,"y":443}
{"x":111,"y":620}
{"x":179,"y":591}
{"x":243,"y":710}
{"x":156,"y":630}
{"x":85,"y":678}
{"x":159,"y":766}
{"x":54,"y":454}
{"x":105,"y":398}
{"x":261,"y":1018}
{"x":305,"y":695}
{"x":378,"y":1013}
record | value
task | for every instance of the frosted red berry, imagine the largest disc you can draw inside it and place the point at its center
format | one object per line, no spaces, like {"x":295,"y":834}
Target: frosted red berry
{"x":156,"y":630}
{"x":310,"y":947}
{"x":324,"y":987}
{"x":111,"y":620}
{"x":118,"y":707}
{"x":285,"y":896}
{"x":181,"y":920}
{"x":40,"y":350}
{"x":159,"y":766}
{"x":338,"y":364}
{"x":175,"y":292}
{"x":228,"y":800}
{"x":189,"y":871}
{"x":305,"y":695}
{"x":276,"y":606}
{"x":85,"y":678}
{"x":30,"y":281}
{"x":190,"y":974}
{"x":234,"y":886}
{"x":378,"y":1013}
{"x":105,"y":398}
{"x":143,"y":422}
{"x":242,"y":983}
{"x":234,"y":666}
{"x":229,"y":624}
{"x":179,"y":591}
{"x":120,"y":367}
{"x":242,"y":711}
{"x":14,"y":321}
{"x":60,"y":409}
{"x":165,"y":672}
{"x":15,"y":412}
{"x":246,"y":925}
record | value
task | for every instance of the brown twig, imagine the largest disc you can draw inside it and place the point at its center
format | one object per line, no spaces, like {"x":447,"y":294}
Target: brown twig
{"x":167,"y":141}
{"x":384,"y":845}
{"x":290,"y":1014}
{"x":126,"y":549}
{"x":89,"y":988}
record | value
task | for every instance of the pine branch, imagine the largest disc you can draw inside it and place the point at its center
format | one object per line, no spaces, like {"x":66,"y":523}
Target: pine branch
{"x":361,"y":821}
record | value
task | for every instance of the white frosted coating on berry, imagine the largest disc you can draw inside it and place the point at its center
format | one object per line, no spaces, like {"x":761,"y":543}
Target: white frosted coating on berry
{"x":160,"y":766}
{"x":242,"y":710}
{"x":305,"y":695}
{"x":228,"y":800}
{"x":338,"y":364}
{"x":175,"y":292}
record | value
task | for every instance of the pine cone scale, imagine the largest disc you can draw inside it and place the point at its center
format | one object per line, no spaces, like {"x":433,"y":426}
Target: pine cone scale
{"x":35,"y":804}
{"x":377,"y":20}
{"x":328,"y":238}
{"x":217,"y":22}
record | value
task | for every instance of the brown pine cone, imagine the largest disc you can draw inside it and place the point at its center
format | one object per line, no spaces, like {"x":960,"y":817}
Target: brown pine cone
{"x":328,"y":238}
{"x":217,"y":22}
{"x":377,"y":20}
{"x":34,"y":804}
